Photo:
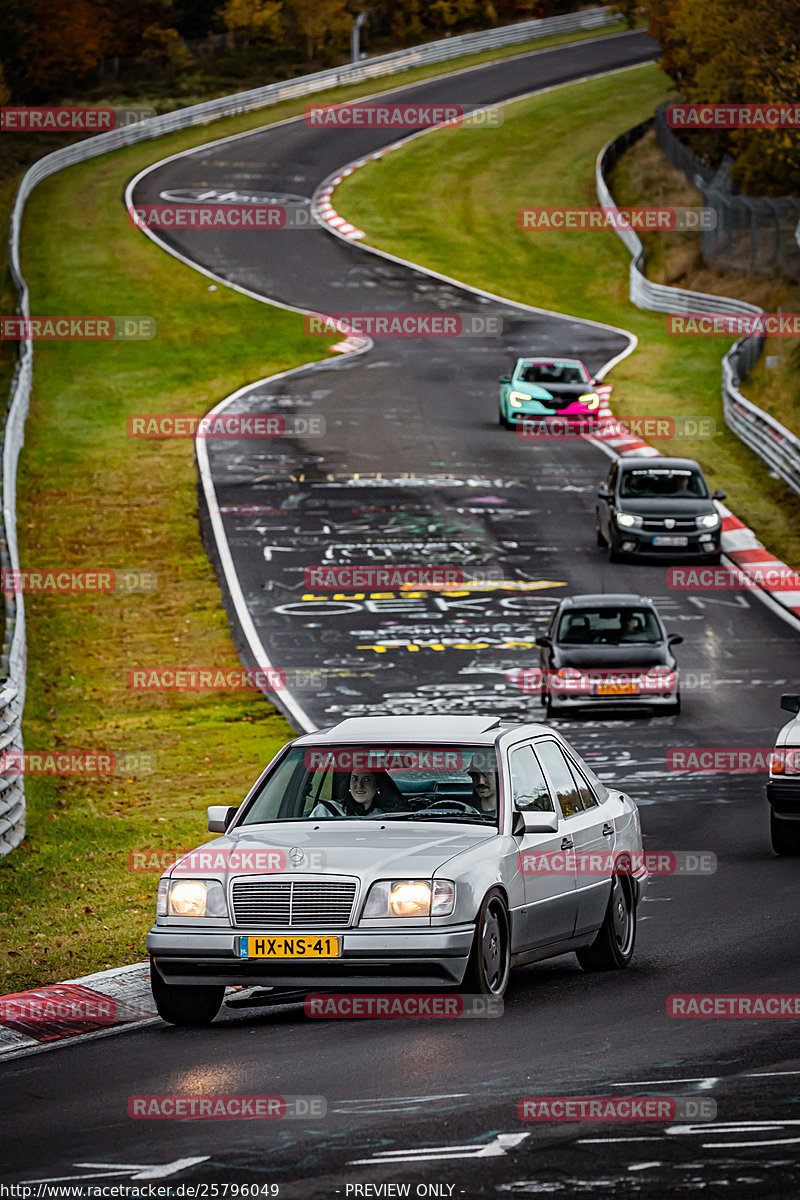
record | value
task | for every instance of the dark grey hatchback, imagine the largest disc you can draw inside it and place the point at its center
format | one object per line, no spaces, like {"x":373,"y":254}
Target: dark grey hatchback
{"x":608,"y":651}
{"x":659,"y":507}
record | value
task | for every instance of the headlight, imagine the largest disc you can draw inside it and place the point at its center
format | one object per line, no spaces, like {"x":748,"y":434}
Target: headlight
{"x":191,"y":898}
{"x":590,"y":399}
{"x":709,"y":521}
{"x":629,"y":521}
{"x":410,"y":898}
{"x":516,"y":399}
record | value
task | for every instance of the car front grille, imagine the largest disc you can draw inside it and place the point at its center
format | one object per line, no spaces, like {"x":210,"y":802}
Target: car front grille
{"x":310,"y":903}
{"x":680,"y":525}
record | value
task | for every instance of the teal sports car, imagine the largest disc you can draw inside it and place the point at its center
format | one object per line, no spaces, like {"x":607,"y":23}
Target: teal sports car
{"x":540,"y":389}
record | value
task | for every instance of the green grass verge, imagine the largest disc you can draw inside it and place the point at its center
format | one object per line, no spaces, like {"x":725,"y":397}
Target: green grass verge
{"x":449,"y":201}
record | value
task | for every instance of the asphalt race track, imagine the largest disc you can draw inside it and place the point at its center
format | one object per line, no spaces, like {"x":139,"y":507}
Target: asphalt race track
{"x":413,"y":468}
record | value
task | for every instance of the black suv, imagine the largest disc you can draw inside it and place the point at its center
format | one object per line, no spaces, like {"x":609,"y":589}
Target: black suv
{"x":658,"y":506}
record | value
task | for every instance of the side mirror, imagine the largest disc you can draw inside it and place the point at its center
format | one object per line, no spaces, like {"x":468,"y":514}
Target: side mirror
{"x":674,"y":639}
{"x":219,"y":817}
{"x":540,"y":822}
{"x":719,"y":495}
{"x":517,"y":824}
{"x":604,"y":494}
{"x":543,"y":641}
{"x":505,"y":379}
{"x":790,"y":702}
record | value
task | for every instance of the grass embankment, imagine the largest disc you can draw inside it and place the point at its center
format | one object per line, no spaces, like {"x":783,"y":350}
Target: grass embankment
{"x":89,"y":496}
{"x":449,"y":201}
{"x":676,"y":259}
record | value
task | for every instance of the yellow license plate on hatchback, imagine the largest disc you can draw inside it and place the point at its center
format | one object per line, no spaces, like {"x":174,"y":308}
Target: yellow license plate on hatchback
{"x":617,"y":689}
{"x":273,"y":946}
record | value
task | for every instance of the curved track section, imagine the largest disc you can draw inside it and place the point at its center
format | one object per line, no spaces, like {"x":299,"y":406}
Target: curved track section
{"x":412,"y":457}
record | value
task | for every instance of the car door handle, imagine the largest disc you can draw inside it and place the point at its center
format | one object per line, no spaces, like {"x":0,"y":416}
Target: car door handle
{"x":608,"y":830}
{"x":567,"y":843}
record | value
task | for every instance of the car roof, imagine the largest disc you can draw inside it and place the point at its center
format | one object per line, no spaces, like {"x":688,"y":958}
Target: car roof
{"x":553,"y":358}
{"x":454,"y":729}
{"x":639,"y":461}
{"x":606,"y":600}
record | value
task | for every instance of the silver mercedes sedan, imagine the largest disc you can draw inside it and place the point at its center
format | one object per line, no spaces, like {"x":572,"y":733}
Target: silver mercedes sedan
{"x":401,"y":853}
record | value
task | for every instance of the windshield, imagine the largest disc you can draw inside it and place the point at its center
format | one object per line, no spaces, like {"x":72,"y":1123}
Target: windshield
{"x":553,"y":372}
{"x":615,"y":626}
{"x":663,"y":481}
{"x":398,"y":783}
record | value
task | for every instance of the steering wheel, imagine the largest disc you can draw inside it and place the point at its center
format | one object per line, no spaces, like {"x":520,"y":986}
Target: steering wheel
{"x":459,"y":805}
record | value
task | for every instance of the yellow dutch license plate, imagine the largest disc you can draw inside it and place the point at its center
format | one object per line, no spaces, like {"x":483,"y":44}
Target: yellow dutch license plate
{"x":268,"y":946}
{"x":616,"y":689}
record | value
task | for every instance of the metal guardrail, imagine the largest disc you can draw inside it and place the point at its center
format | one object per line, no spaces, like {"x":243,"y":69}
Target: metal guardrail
{"x":774,"y":444}
{"x":757,"y":230}
{"x":12,"y":664}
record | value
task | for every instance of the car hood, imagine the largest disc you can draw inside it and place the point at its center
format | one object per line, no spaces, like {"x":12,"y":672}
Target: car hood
{"x":665,"y":506}
{"x":606,"y":656}
{"x":370,"y":849}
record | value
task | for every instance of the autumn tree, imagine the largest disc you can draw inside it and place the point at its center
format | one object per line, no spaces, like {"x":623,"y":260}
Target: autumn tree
{"x":724,"y":52}
{"x":253,"y":18}
{"x":321,"y":23}
{"x":59,"y":42}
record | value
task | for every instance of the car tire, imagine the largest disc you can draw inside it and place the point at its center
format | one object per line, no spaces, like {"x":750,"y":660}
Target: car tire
{"x":490,"y":957}
{"x":673,"y":710}
{"x":598,"y":533}
{"x":612,"y":949}
{"x":785,"y":835}
{"x":501,"y":420}
{"x":184,"y":1005}
{"x":612,"y":553}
